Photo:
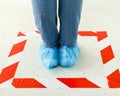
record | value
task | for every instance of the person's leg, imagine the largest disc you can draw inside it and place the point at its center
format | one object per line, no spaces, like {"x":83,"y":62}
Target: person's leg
{"x":69,"y":14}
{"x":46,"y":20}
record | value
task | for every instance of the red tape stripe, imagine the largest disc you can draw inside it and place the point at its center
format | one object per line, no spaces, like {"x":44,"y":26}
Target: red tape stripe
{"x":21,"y":34}
{"x":99,"y":34}
{"x":114,"y":79}
{"x":17,"y":48}
{"x":107,"y":54}
{"x":87,"y":33}
{"x":26,"y":83}
{"x":78,"y":83}
{"x":8,"y":72}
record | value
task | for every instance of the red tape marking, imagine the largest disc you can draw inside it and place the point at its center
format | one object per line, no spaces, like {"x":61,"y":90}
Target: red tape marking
{"x":99,"y":34}
{"x":26,"y":83}
{"x":87,"y":33}
{"x":78,"y":83}
{"x":114,"y":79}
{"x":8,"y":72}
{"x":107,"y":54}
{"x":17,"y":48}
{"x":21,"y":34}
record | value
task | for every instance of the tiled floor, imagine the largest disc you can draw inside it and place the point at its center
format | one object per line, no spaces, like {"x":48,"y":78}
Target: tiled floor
{"x":96,"y":72}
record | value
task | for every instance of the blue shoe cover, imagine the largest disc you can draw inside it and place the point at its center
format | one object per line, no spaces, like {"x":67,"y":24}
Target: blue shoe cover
{"x":49,"y":56}
{"x":68,"y":55}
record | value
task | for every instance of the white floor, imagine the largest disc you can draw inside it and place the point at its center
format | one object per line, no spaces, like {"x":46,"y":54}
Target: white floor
{"x":97,"y":15}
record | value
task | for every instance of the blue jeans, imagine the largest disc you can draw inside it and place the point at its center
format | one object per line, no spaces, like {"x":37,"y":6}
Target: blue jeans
{"x":69,"y":13}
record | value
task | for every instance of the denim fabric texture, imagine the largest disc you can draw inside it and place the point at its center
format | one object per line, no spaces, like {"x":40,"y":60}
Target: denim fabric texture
{"x":69,"y":14}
